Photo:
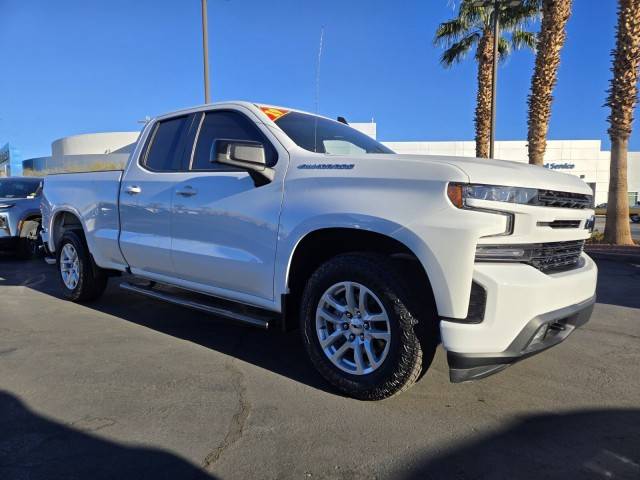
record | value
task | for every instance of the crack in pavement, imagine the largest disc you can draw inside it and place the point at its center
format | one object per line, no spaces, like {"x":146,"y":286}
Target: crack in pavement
{"x":239,"y":419}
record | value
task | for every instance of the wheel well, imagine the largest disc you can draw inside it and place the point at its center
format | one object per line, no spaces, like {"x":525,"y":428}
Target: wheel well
{"x":319,"y":246}
{"x":65,"y":221}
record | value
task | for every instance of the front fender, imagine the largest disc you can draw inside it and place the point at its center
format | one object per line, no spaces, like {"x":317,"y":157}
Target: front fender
{"x":289,"y":242}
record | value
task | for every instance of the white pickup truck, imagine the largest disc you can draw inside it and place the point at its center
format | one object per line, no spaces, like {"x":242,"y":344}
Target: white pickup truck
{"x":268,"y":215}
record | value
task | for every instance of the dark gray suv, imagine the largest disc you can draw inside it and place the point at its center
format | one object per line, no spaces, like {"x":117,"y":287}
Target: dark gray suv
{"x":20,"y":216}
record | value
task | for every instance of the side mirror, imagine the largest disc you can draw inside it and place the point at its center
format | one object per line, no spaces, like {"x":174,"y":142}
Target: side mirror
{"x":244,"y":154}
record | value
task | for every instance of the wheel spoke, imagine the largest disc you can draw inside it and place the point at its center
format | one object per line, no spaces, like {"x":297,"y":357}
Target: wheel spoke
{"x":379,"y":335}
{"x":350,"y":296}
{"x":334,"y":303}
{"x":338,"y":354}
{"x":331,"y":338}
{"x":375,"y":317}
{"x":357,"y":355}
{"x":362,"y":301}
{"x":370,"y":355}
{"x":328,"y":316}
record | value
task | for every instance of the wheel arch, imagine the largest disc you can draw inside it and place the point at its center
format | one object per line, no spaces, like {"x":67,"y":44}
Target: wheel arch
{"x":318,"y":246}
{"x":61,"y":221}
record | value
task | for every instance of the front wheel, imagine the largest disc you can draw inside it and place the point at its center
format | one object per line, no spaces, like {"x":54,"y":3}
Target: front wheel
{"x":82,"y":280}
{"x":358,"y":328}
{"x":635,"y":218}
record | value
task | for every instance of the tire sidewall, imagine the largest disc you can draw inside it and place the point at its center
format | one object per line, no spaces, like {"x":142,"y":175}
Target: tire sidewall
{"x":401,"y":355}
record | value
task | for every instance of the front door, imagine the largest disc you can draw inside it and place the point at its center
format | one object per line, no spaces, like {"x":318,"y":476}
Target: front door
{"x":224,"y":224}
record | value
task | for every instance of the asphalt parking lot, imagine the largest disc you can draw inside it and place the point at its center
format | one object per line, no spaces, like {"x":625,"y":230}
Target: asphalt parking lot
{"x":133,"y":388}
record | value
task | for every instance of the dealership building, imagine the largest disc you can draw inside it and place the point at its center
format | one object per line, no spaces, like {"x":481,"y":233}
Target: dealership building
{"x":582,"y":158}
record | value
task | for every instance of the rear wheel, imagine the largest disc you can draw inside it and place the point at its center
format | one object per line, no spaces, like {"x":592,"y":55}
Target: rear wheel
{"x":82,"y":280}
{"x":358,"y":328}
{"x":635,"y":218}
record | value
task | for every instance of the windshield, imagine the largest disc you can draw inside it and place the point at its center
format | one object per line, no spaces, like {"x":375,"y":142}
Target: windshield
{"x":19,"y":188}
{"x":322,"y":135}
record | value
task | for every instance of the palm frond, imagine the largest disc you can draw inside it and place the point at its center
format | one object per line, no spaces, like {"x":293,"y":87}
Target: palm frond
{"x":523,"y":39}
{"x":459,"y":50}
{"x":451,"y":31}
{"x":504,"y":49}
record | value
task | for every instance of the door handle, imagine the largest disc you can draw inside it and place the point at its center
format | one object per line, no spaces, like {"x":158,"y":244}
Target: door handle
{"x":133,"y":189}
{"x":187,"y":192}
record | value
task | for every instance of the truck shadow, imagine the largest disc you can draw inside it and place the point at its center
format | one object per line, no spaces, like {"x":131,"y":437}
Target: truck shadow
{"x":618,"y":283}
{"x":35,"y":447}
{"x":273,"y":350}
{"x":586,"y":444}
{"x":281,"y":353}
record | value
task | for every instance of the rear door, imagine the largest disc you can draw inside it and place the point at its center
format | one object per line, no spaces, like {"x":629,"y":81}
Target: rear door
{"x":224,"y":224}
{"x":146,"y":194}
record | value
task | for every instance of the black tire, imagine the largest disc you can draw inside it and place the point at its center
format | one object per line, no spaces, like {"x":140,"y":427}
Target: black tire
{"x":92,"y":280}
{"x":403,"y":364}
{"x":29,"y":242}
{"x":635,"y":218}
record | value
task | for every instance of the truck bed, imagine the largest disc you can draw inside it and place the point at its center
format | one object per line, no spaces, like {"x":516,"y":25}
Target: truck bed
{"x":93,"y":198}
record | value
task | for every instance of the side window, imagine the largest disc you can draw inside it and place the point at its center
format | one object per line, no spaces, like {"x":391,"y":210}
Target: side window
{"x":166,"y":150}
{"x":228,"y":125}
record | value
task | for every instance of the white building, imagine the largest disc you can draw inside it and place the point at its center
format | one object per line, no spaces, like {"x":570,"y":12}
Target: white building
{"x":91,"y":151}
{"x":583,"y":158}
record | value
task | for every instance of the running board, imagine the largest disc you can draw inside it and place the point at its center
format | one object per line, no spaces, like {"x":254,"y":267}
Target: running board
{"x":237,"y":312}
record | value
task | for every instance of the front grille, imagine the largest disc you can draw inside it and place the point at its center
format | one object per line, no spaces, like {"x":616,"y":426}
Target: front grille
{"x":560,"y":224}
{"x":556,"y":256}
{"x":551,"y":198}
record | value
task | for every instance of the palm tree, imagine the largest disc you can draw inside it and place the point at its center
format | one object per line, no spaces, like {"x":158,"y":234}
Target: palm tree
{"x":472,"y":28}
{"x":623,"y":95}
{"x":555,"y":14}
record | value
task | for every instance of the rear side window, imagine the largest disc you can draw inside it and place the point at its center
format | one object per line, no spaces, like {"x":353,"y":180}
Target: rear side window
{"x":166,"y":150}
{"x":227,"y":125}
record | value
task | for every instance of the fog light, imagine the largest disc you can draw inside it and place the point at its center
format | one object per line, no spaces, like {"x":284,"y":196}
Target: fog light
{"x":540,"y":334}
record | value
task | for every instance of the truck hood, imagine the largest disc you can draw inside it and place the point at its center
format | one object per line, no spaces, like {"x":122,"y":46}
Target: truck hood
{"x":17,"y":201}
{"x":498,"y":172}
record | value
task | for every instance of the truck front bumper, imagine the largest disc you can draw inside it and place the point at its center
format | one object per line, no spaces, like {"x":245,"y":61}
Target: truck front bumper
{"x":541,"y":333}
{"x":526,"y":312}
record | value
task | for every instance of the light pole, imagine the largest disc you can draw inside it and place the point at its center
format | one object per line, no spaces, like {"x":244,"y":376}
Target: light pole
{"x":205,"y":51}
{"x":495,"y":26}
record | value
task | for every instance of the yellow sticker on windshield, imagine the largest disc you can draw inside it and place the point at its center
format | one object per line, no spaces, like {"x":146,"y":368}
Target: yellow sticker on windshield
{"x":274,"y":113}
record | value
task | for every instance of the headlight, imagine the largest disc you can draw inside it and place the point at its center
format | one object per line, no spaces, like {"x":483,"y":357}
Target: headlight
{"x":6,"y":206}
{"x":458,"y":193}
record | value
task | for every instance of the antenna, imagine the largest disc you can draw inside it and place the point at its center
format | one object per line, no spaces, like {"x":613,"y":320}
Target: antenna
{"x":315,"y":130}
{"x":318,"y":70}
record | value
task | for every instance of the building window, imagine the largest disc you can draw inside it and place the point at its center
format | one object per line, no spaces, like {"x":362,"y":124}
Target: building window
{"x":633,"y":198}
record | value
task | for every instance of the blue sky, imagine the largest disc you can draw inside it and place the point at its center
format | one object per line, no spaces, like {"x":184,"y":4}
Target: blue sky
{"x":78,"y":66}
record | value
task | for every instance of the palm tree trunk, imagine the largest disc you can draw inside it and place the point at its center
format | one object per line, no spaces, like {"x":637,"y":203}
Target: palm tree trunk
{"x":622,"y":98}
{"x":555,"y":14}
{"x":617,"y":229}
{"x":484,"y":57}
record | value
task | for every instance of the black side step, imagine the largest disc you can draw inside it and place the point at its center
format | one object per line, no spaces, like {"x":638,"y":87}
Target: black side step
{"x":222,"y":308}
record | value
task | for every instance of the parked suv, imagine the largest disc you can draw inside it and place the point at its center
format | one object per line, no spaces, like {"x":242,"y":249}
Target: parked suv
{"x":20,"y":216}
{"x":268,"y":215}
